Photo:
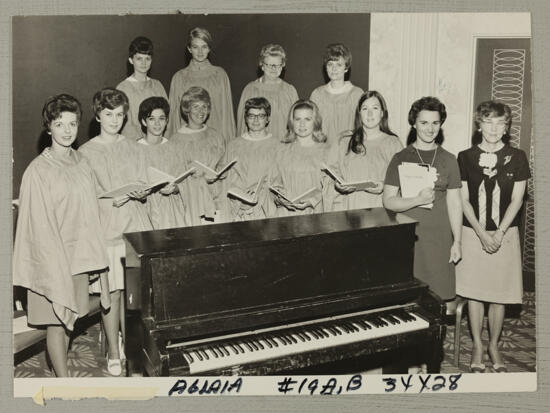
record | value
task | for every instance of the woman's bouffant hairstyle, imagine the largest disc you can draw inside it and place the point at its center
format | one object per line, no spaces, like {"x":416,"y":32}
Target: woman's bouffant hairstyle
{"x":257,"y":103}
{"x":109,"y":98}
{"x":200,"y":33}
{"x":192,"y":95}
{"x":491,"y":109}
{"x":431,"y":104}
{"x":149,"y":105}
{"x":335,"y":51}
{"x":356,"y":143}
{"x":56,"y":105}
{"x":274,"y":50}
{"x":318,"y":135}
{"x":140,"y":45}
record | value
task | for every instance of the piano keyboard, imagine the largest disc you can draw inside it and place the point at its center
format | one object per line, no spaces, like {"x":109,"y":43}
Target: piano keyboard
{"x":267,"y":344}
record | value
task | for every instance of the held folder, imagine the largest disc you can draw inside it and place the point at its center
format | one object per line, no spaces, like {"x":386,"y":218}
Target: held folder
{"x":413,"y":178}
{"x":312,"y":192}
{"x":359,"y":185}
{"x":217,"y":174}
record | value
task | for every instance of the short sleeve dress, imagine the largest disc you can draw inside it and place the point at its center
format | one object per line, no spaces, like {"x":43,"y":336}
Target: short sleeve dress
{"x":216,"y":82}
{"x":371,"y":164}
{"x":491,"y":177}
{"x":434,"y":235}
{"x":58,"y":239}
{"x":337,"y":108}
{"x":137,"y":91}
{"x":280,"y":95}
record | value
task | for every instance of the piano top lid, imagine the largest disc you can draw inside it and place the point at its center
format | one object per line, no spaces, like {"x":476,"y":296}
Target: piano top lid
{"x":178,"y":241}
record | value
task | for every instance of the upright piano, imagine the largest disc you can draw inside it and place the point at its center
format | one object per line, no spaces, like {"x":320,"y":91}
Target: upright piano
{"x":276,"y":295}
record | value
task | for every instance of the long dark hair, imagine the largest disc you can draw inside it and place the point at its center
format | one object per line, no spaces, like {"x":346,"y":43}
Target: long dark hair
{"x":431,"y":104}
{"x":491,"y":109}
{"x":356,"y":143}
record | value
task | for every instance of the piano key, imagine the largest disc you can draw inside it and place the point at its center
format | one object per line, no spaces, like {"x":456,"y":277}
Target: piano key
{"x":321,"y":336}
{"x":188,"y":357}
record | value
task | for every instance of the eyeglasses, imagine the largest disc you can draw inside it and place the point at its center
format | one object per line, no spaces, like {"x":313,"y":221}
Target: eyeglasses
{"x":272,"y":67}
{"x":261,"y":116}
{"x":199,"y":107}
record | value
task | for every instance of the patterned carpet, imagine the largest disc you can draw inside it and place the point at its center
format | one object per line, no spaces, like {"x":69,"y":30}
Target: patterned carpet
{"x":517,"y":346}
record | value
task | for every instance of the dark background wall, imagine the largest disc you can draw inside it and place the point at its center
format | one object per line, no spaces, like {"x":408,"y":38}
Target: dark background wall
{"x":81,"y":54}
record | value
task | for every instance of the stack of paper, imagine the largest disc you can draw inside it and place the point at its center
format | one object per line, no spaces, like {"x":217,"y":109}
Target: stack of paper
{"x":414,"y":177}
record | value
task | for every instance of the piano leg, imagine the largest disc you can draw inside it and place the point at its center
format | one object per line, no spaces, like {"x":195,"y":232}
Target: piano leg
{"x":433,"y":351}
{"x":134,"y":343}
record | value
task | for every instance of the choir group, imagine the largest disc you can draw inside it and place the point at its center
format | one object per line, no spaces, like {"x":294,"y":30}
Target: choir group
{"x":279,"y":154}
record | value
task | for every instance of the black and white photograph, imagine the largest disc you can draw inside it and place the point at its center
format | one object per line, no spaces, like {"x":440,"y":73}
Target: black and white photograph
{"x":315,"y":196}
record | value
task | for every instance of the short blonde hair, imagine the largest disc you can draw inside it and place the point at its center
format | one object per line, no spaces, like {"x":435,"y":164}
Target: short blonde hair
{"x":200,"y":33}
{"x":318,"y":135}
{"x":192,"y":95}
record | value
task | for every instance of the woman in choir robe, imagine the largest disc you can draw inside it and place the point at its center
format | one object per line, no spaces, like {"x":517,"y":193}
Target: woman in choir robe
{"x":364,"y":154}
{"x":58,"y":244}
{"x":254,"y":150}
{"x":338,"y":98}
{"x":280,"y":94}
{"x":197,"y":141}
{"x":437,"y":248}
{"x":200,"y":72}
{"x":494,"y":177}
{"x":157,"y":155}
{"x":298,"y":162}
{"x":139,"y":86}
{"x":115,"y":162}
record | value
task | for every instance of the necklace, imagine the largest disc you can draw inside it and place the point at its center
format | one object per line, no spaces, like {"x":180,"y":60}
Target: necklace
{"x":422,"y":160}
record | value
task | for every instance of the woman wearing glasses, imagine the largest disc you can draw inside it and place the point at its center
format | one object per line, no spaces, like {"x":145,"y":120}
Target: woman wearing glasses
{"x":254,"y":149}
{"x":494,"y":176}
{"x":200,"y":72}
{"x":280,"y":94}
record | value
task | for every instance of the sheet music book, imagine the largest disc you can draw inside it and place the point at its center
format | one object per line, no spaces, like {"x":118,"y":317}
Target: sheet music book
{"x":156,"y":175}
{"x":123,"y":190}
{"x":300,"y":198}
{"x":249,"y":198}
{"x":210,"y":171}
{"x":414,"y":177}
{"x":359,"y":185}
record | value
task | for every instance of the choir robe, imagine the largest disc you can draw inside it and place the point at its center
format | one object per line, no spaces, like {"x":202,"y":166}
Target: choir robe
{"x":58,"y":231}
{"x":165,"y":211}
{"x":114,"y":165}
{"x":280,"y":95}
{"x":215,"y":81}
{"x":298,"y":169}
{"x":255,"y":161}
{"x":204,"y":145}
{"x":337,"y":109}
{"x":137,"y":91}
{"x":359,"y":167}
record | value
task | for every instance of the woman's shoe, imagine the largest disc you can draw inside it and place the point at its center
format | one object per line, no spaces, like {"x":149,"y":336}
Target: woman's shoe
{"x":114,"y":367}
{"x":477,"y":368}
{"x":500,"y":368}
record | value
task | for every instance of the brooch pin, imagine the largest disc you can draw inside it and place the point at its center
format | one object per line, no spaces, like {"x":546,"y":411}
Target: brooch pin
{"x":507,"y":159}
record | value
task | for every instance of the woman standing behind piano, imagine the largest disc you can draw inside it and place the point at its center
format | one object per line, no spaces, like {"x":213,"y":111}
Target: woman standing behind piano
{"x":280,"y":94}
{"x":200,"y":72}
{"x":439,"y":228}
{"x":197,"y":141}
{"x":299,"y":160}
{"x":337,"y":100}
{"x":115,"y":162}
{"x":364,"y":154}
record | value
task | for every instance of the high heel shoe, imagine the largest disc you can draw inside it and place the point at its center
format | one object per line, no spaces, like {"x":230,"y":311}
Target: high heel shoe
{"x":500,"y":368}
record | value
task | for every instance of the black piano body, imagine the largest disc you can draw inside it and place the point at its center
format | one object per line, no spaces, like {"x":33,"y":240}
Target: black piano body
{"x":198,"y":292}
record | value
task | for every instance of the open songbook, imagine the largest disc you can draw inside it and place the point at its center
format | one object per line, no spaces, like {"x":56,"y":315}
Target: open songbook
{"x":359,"y":185}
{"x":209,"y":171}
{"x":156,"y":175}
{"x":312,"y":192}
{"x":414,"y":177}
{"x":246,"y":197}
